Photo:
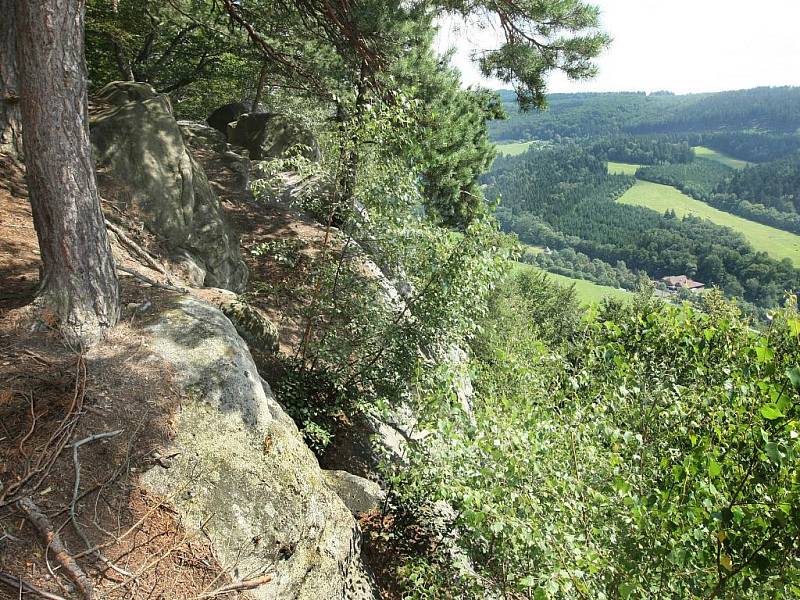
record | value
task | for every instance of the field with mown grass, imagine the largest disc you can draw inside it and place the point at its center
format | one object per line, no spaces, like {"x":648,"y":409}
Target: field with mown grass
{"x":513,"y":148}
{"x":735,"y":163}
{"x":775,"y":242}
{"x":617,"y":168}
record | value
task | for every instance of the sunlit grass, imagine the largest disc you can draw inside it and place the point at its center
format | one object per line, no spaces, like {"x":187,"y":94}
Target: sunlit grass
{"x":735,"y":163}
{"x":616,"y":168}
{"x":513,"y":148}
{"x":775,"y":242}
{"x":586,"y":291}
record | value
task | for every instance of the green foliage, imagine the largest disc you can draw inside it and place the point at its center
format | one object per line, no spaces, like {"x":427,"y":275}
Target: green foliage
{"x":539,"y":37}
{"x":577,"y":265}
{"x":650,"y":453}
{"x":642,"y":150}
{"x":774,"y":185}
{"x":779,"y":245}
{"x":183,"y":48}
{"x":697,"y":178}
{"x":754,"y":146}
{"x":363,"y":340}
{"x":765,"y":193}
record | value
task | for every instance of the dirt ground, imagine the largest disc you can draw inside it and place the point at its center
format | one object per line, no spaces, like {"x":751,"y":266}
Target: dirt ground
{"x":118,"y":400}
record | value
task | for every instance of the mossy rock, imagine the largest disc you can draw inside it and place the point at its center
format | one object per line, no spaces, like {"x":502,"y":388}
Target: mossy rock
{"x":253,"y":325}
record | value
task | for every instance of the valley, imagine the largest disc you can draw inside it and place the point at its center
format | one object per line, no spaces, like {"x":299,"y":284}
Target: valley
{"x":661,"y":198}
{"x":704,"y":187}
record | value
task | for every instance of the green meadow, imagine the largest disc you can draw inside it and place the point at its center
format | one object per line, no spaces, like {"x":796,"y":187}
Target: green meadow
{"x":513,"y":148}
{"x":775,"y":242}
{"x":734,"y":163}
{"x":587,"y":292}
{"x":616,"y":168}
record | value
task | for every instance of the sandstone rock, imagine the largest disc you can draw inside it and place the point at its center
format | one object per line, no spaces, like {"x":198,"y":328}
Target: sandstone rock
{"x":360,"y":495}
{"x":189,"y":267}
{"x":225,"y":114}
{"x":271,"y":135}
{"x":243,"y":463}
{"x":253,"y":325}
{"x":122,"y":92}
{"x":196,"y":135}
{"x":143,"y":163}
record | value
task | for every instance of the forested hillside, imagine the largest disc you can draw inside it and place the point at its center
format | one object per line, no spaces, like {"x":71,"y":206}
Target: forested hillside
{"x":565,"y":197}
{"x":774,"y":110}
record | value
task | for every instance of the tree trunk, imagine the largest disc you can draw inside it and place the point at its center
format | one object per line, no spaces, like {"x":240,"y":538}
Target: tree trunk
{"x":79,"y":286}
{"x":10,"y":119}
{"x":262,"y":78}
{"x":351,"y":161}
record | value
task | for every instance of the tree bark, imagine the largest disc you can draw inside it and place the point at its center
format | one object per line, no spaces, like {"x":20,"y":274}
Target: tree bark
{"x":10,"y":118}
{"x":79,"y":286}
{"x":262,"y":77}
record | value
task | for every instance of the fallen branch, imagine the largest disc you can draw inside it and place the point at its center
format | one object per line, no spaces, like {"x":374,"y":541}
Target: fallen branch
{"x":72,"y":516}
{"x":250,"y":584}
{"x":147,"y":280}
{"x":19,"y":584}
{"x":52,"y":540}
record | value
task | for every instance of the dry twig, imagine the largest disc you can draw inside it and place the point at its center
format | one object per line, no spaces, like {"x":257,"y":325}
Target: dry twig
{"x":19,"y":584}
{"x":73,"y":517}
{"x":250,"y":584}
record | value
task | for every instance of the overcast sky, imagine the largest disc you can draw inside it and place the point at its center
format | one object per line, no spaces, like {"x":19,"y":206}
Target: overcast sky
{"x":678,"y":45}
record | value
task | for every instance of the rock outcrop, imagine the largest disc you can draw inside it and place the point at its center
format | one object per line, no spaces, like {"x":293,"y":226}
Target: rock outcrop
{"x":243,"y":473}
{"x":359,"y":494}
{"x":144,"y":165}
{"x":225,"y":114}
{"x":271,"y":135}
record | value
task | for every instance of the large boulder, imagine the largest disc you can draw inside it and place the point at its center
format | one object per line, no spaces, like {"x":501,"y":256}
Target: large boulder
{"x":202,"y":137}
{"x":243,"y":474}
{"x":225,"y":114}
{"x":143,"y":164}
{"x":216,"y":155}
{"x":271,"y":135}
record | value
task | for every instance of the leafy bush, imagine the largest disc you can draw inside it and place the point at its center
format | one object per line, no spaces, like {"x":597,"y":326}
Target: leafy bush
{"x":649,"y":452}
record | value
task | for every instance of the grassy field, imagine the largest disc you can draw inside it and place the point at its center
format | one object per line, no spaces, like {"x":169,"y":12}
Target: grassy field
{"x":775,"y":242}
{"x":615,"y":168}
{"x":704,"y":152}
{"x":513,"y":148}
{"x":587,"y":292}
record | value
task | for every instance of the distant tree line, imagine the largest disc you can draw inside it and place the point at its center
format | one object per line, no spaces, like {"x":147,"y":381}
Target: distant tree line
{"x":652,"y":150}
{"x":580,"y":266}
{"x":773,"y":110}
{"x":752,"y":146}
{"x":698,"y":178}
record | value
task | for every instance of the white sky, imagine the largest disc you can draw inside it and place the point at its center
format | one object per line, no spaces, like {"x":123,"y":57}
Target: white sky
{"x":678,"y":45}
